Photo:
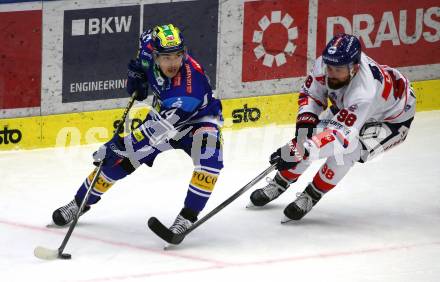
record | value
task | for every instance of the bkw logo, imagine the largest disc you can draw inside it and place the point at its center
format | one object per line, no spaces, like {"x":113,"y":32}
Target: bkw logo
{"x":94,"y":26}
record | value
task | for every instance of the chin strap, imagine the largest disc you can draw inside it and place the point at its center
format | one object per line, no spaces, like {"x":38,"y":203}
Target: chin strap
{"x":158,"y":75}
{"x":353,"y":70}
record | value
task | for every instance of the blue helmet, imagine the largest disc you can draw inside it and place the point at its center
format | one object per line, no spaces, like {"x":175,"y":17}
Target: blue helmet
{"x":167,"y":39}
{"x":343,"y":49}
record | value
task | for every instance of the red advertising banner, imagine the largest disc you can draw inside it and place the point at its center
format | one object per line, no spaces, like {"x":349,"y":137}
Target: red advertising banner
{"x":20,"y":59}
{"x":396,"y":33}
{"x":274,"y":39}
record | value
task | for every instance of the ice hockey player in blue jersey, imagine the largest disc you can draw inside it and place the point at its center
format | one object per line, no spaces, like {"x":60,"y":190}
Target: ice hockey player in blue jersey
{"x":186,"y":116}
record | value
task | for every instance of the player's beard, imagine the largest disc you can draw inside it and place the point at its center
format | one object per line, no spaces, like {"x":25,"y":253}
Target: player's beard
{"x":336,"y":84}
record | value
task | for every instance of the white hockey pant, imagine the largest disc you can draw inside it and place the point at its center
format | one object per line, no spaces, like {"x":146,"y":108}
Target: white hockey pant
{"x":375,"y":139}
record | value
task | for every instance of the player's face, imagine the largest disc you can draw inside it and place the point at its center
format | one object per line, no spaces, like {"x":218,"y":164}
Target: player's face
{"x":170,"y":63}
{"x":337,"y":76}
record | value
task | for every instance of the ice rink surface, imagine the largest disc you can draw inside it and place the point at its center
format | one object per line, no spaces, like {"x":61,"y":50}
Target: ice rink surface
{"x":381,"y":223}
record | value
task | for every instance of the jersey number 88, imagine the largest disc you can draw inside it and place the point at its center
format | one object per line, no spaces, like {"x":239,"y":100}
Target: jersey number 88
{"x":348,"y":118}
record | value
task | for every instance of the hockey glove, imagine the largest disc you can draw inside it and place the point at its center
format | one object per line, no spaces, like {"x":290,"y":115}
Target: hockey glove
{"x":288,"y":156}
{"x":106,"y":152}
{"x":305,"y":126}
{"x":136,"y":80}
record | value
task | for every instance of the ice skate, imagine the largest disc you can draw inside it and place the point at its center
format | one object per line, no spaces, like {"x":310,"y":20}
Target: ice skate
{"x":274,"y":188}
{"x":65,"y":214}
{"x":180,"y":225}
{"x":184,"y":220}
{"x":302,"y":205}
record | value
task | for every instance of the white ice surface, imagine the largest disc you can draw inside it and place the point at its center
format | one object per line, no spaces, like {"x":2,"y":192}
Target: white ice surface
{"x":382,"y":222}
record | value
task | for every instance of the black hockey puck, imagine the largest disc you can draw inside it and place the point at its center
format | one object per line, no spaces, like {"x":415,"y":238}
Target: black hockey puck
{"x":65,"y":256}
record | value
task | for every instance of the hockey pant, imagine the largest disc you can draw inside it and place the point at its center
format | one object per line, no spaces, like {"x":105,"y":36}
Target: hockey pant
{"x":375,"y":138}
{"x":202,"y":142}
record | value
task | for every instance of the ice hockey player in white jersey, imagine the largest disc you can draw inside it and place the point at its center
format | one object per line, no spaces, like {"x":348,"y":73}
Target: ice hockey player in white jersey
{"x":371,"y":110}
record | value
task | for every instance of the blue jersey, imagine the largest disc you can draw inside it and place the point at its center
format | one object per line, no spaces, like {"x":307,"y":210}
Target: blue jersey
{"x":187,"y":117}
{"x":189,"y":92}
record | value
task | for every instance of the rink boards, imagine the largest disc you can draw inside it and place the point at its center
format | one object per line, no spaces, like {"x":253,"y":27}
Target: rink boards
{"x":94,"y":127}
{"x":76,"y":52}
{"x":64,"y":84}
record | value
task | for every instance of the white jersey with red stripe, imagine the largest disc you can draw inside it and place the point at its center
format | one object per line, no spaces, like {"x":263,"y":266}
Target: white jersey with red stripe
{"x":376,"y":93}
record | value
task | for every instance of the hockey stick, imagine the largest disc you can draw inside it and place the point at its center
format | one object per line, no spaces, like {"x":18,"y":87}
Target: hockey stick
{"x":167,"y":235}
{"x":49,"y":254}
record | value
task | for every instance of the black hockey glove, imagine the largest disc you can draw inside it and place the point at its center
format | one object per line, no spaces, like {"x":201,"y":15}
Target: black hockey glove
{"x":136,"y":80}
{"x":305,"y":126}
{"x":288,"y":156}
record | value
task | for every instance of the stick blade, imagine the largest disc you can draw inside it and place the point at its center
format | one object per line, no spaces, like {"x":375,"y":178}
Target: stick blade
{"x":45,"y":253}
{"x":163,"y":232}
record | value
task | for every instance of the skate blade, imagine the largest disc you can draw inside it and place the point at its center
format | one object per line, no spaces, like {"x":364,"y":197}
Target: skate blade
{"x":250,"y":205}
{"x":167,"y":246}
{"x":285,"y":219}
{"x":54,"y":226}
